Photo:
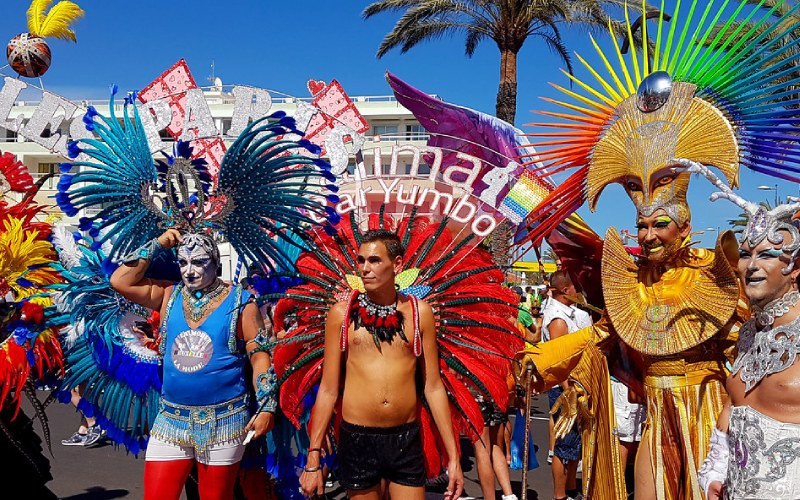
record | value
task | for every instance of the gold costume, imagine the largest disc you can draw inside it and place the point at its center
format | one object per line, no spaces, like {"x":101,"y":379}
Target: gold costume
{"x":680,"y":316}
{"x":677,"y":307}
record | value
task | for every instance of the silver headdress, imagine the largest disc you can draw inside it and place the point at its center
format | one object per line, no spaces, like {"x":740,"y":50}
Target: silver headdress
{"x":761,"y":223}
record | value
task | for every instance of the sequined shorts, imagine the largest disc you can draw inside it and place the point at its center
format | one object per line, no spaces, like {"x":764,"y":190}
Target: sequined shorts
{"x":201,"y":427}
{"x":764,"y":458}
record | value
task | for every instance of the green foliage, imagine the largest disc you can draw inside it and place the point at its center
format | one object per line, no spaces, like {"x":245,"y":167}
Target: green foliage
{"x":507,"y":23}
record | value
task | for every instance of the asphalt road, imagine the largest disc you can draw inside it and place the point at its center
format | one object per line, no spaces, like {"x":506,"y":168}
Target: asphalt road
{"x":106,"y":472}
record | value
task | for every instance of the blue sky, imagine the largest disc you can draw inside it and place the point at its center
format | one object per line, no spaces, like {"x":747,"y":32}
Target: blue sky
{"x":281,"y":45}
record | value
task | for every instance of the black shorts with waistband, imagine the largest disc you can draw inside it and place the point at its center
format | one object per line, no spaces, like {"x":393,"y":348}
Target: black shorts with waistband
{"x":367,"y":455}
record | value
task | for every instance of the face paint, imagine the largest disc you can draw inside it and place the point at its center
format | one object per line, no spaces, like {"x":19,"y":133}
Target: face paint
{"x":198,"y":267}
{"x":761,"y":271}
{"x":659,"y":237}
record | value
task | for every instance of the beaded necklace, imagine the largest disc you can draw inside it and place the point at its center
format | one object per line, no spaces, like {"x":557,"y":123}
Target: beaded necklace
{"x":383,"y":322}
{"x":197,"y":303}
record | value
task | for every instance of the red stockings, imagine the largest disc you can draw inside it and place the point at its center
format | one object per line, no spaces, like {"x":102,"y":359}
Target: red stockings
{"x":164,"y":480}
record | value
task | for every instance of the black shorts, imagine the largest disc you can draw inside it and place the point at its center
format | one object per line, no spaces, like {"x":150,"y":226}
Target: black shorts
{"x":367,"y":455}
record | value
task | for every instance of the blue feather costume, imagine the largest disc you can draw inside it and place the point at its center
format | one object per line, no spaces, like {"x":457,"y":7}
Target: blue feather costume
{"x":260,"y":205}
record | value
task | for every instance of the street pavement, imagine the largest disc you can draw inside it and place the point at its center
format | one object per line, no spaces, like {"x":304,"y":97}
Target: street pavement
{"x":106,"y":472}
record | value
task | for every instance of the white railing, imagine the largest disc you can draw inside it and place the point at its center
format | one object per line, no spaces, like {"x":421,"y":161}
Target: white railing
{"x":227,"y":98}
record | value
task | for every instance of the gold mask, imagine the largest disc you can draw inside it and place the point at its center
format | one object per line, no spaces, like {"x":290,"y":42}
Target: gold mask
{"x":638,"y":148}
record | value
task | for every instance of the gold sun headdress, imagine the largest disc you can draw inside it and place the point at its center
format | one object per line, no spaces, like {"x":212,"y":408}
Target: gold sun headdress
{"x":716,"y":97}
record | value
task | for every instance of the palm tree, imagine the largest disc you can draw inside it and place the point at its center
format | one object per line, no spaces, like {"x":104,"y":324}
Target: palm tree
{"x":740,"y":223}
{"x":509,"y":23}
{"x":550,"y":256}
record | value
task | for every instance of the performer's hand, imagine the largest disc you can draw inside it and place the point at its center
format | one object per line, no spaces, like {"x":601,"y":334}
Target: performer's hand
{"x":524,"y":370}
{"x":261,"y":423}
{"x":456,"y":485}
{"x":170,"y":238}
{"x":311,"y":483}
{"x":572,"y":403}
{"x":715,"y":490}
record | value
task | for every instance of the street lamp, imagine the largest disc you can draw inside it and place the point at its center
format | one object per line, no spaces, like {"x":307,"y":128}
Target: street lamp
{"x":770,"y":188}
{"x":711,"y":230}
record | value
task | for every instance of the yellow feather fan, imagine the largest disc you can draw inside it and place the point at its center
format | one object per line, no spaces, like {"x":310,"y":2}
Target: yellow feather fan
{"x":54,"y":23}
{"x":25,"y":254}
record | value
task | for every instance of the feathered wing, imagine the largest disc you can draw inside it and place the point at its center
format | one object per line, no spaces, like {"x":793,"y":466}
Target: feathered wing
{"x":14,"y":175}
{"x":119,"y":367}
{"x":472,"y":309}
{"x":269,"y":184}
{"x":55,"y":23}
{"x":28,"y":346}
{"x":118,"y":183}
{"x":580,"y":250}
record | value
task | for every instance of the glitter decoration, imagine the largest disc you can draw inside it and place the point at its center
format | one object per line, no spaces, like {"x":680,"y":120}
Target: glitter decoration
{"x":418,"y":291}
{"x":198,"y":122}
{"x":250,"y":104}
{"x":523,"y":197}
{"x":44,"y":118}
{"x":336,"y":149}
{"x":172,"y":86}
{"x":8,"y":96}
{"x":28,"y":55}
{"x":354,"y":282}
{"x":256,"y":202}
{"x":406,"y":278}
{"x":77,"y":131}
{"x":155,"y":116}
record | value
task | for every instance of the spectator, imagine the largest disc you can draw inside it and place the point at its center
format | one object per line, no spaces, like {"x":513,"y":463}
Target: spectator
{"x":89,"y":432}
{"x":562,"y":317}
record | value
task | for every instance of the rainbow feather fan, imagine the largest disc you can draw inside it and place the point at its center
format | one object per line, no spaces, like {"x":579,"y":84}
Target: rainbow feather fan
{"x":744,"y":68}
{"x":472,"y":308}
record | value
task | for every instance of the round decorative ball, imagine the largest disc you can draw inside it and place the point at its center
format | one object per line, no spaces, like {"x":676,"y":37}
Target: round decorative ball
{"x":28,"y":55}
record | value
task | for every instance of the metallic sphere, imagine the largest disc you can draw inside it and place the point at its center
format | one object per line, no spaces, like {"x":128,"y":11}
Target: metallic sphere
{"x":654,"y":91}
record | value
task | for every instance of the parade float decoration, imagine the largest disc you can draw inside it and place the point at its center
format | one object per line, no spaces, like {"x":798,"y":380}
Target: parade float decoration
{"x":28,"y":53}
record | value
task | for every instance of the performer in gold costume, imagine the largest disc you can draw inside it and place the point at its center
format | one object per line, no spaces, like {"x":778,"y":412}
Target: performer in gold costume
{"x":674,"y":307}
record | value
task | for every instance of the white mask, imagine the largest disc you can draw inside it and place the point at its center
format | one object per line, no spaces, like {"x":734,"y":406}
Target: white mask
{"x":198,"y":267}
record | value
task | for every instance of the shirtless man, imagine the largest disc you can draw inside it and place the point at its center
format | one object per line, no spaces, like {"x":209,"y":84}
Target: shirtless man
{"x":204,"y":408}
{"x":380,"y":443}
{"x":755,"y":448}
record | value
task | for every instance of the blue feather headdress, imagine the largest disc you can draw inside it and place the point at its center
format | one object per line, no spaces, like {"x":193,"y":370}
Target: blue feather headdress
{"x":261,"y":198}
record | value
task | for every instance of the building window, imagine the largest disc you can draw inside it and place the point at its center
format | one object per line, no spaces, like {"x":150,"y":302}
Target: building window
{"x":43,"y":169}
{"x":384,"y":130}
{"x":47,"y":168}
{"x":413,"y":131}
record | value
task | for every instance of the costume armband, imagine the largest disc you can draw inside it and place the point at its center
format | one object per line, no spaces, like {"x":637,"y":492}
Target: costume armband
{"x":263,"y":343}
{"x":266,"y":383}
{"x":715,"y":466}
{"x":145,"y":252}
